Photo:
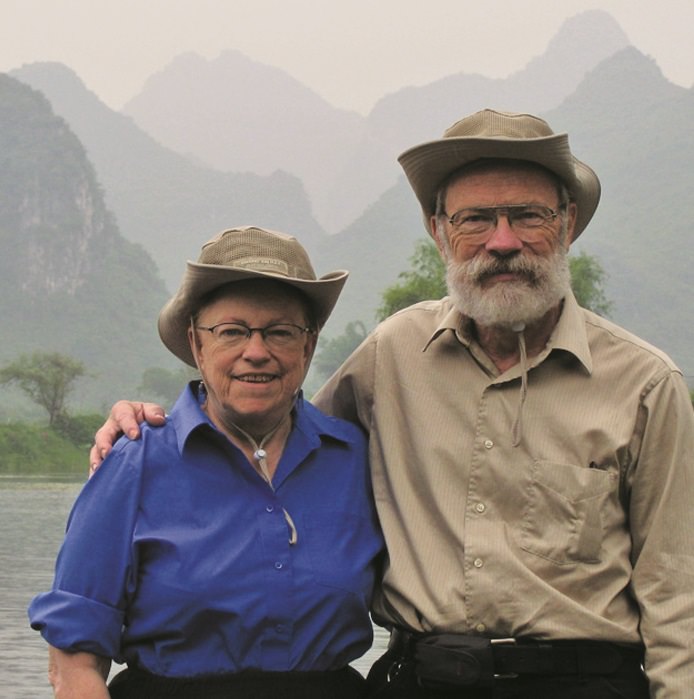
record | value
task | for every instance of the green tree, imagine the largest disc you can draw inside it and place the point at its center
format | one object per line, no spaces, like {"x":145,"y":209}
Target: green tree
{"x":426,"y":280}
{"x":587,"y":279}
{"x":47,"y":378}
{"x":331,"y":353}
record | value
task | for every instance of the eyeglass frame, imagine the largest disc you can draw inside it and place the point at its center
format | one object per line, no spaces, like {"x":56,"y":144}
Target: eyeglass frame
{"x":249,"y":333}
{"x":509,"y":210}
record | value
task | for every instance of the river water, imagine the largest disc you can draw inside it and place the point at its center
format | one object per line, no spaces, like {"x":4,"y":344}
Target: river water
{"x":32,"y":520}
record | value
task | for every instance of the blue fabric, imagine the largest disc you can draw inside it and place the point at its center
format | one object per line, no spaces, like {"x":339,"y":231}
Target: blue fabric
{"x":177,"y":554}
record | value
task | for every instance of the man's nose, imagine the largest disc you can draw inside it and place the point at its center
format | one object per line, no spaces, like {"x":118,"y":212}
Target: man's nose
{"x":503,"y":239}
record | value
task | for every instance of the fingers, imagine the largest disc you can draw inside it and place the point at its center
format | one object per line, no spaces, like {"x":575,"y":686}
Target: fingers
{"x":94,"y":460}
{"x":124,"y":419}
{"x":104,"y":439}
{"x":154,"y":414}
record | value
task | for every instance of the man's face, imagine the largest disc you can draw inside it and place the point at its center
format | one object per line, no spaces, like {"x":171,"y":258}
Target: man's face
{"x":509,"y":273}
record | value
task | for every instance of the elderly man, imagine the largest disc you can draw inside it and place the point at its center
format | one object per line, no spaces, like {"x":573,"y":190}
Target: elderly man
{"x":532,"y":463}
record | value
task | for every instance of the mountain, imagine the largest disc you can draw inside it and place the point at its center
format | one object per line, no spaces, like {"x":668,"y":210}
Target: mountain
{"x":634,"y":128}
{"x":582,"y":42}
{"x":236,"y":114}
{"x":161,"y":199}
{"x":375,"y":249}
{"x":624,"y":118}
{"x":69,"y":282}
{"x":226,"y":112}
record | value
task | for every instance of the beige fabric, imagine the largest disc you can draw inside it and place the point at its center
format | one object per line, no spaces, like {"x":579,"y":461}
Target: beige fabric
{"x":566,"y":535}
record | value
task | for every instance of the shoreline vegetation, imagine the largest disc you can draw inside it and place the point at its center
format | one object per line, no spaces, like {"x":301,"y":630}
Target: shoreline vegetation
{"x":38,"y":450}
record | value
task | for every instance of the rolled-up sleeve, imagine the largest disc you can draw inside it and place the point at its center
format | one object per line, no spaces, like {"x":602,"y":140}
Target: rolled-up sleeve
{"x":76,"y":623}
{"x":94,"y":574}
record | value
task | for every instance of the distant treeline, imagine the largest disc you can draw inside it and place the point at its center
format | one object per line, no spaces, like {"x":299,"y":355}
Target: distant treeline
{"x":30,"y":449}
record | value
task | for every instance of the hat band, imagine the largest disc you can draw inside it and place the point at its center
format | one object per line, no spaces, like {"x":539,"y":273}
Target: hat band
{"x":263,"y":264}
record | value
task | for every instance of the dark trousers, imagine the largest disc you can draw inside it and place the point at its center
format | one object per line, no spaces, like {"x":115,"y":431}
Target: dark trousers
{"x":626,"y":683}
{"x":340,"y":684}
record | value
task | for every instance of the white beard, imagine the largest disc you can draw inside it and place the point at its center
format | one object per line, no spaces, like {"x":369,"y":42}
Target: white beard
{"x":545,"y":282}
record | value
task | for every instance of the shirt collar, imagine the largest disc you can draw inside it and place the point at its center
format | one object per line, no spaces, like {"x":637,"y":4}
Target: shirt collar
{"x":454,"y":321}
{"x":569,"y":334}
{"x":188,"y":417}
{"x":315,"y":424}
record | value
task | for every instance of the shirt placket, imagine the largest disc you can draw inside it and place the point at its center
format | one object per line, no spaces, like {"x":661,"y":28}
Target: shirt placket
{"x":279,"y":564}
{"x":485,"y":543}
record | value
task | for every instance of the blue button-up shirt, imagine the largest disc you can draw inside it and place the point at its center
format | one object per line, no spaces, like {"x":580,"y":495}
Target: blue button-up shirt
{"x":177,"y":556}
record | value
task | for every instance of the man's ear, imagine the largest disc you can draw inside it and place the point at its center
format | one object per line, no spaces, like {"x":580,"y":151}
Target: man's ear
{"x":571,"y":211}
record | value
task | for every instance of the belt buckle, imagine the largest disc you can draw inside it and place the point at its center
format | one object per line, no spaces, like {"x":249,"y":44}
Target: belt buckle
{"x":504,"y":642}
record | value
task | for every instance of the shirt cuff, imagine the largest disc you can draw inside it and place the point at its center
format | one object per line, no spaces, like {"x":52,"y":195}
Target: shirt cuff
{"x":77,"y":624}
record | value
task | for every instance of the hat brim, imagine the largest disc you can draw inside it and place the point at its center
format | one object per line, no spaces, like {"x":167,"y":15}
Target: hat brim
{"x":200,"y":279}
{"x":429,"y":164}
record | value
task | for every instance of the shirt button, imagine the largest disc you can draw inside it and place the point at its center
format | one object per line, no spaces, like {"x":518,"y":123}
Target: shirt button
{"x":480,"y":507}
{"x":269,"y":508}
{"x":278,"y":565}
{"x":480,"y":628}
{"x":478,"y":563}
{"x":488,"y":444}
{"x":279,"y":628}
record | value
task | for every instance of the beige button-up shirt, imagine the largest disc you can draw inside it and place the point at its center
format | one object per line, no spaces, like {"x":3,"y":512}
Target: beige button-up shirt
{"x":583,"y":529}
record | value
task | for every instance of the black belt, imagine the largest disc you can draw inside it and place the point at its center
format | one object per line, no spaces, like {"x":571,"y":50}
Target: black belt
{"x":475,"y":661}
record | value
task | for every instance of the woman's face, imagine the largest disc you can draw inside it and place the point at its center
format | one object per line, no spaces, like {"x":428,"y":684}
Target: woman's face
{"x":251,"y":385}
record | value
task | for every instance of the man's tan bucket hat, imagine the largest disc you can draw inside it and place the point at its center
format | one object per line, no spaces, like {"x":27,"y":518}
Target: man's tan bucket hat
{"x":492,"y":134}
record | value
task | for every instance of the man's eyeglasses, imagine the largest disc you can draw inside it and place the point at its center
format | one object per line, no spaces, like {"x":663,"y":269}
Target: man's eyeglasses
{"x":521,"y":217}
{"x":277,"y":335}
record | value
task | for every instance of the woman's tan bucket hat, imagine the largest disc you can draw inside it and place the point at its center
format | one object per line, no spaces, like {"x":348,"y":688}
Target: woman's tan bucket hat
{"x":492,"y":134}
{"x":236,"y":254}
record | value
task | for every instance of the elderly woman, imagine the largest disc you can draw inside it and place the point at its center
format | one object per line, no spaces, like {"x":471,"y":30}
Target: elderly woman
{"x":232,"y":552}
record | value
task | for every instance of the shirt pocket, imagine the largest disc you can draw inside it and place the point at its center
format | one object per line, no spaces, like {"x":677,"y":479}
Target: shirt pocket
{"x":563,"y":517}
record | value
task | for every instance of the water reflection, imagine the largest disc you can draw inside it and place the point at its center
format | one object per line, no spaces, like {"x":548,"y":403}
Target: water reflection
{"x":32,"y":519}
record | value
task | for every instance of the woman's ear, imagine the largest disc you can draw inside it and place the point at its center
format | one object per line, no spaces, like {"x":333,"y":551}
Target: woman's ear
{"x":194,"y":345}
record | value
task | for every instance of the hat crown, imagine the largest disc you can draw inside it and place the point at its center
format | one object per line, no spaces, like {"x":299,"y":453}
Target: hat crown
{"x":489,"y":123}
{"x":257,"y":250}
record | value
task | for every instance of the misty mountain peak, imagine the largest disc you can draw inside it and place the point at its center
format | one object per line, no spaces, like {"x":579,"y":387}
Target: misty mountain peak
{"x":596,"y":28}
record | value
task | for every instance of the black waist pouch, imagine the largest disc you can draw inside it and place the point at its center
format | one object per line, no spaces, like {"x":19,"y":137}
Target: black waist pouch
{"x":452,"y":659}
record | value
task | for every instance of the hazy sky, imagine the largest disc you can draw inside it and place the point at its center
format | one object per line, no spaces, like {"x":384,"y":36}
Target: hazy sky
{"x":349,"y":51}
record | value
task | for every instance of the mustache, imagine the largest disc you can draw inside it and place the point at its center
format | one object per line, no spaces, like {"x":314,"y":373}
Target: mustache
{"x":481,"y":269}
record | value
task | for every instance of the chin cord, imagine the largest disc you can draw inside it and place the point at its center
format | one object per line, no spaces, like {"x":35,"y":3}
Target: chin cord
{"x":260,"y":455}
{"x":517,"y":425}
